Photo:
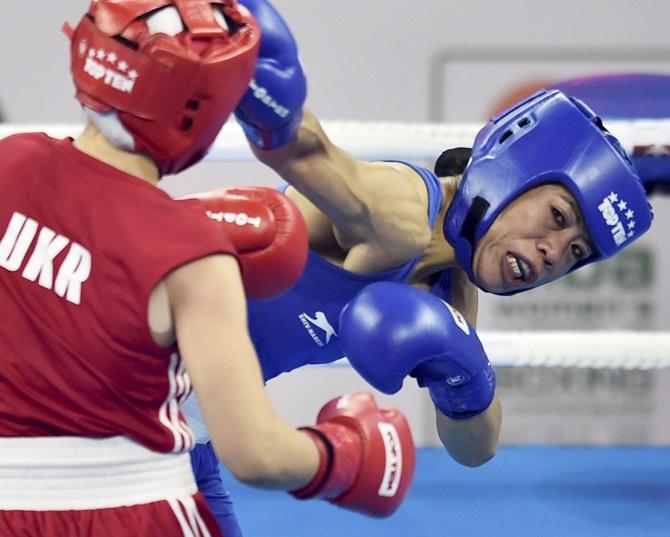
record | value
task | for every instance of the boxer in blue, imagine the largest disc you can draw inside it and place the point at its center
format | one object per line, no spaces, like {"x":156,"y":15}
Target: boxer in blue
{"x":544,"y":190}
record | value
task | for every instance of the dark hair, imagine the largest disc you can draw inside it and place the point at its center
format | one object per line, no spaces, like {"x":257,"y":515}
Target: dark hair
{"x":452,"y":161}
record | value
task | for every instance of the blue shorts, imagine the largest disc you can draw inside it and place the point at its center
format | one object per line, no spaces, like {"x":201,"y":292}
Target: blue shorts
{"x":206,"y":469}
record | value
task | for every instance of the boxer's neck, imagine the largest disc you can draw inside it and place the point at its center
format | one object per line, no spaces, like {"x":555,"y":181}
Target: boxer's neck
{"x":95,"y":145}
{"x":439,"y":255}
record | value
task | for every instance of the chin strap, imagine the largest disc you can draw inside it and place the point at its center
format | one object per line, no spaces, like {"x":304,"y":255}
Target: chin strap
{"x":471,"y":221}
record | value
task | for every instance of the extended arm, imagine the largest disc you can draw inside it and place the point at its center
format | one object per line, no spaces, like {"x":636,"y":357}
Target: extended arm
{"x":342,"y":459}
{"x":209,"y":311}
{"x":376,"y":210}
{"x":391,"y":330}
{"x":472,"y":441}
{"x":354,"y":195}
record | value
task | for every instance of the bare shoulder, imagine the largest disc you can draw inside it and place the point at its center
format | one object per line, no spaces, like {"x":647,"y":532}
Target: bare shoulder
{"x":384,"y":227}
{"x":379,"y":206}
{"x":205,"y":283}
{"x":319,"y":226}
{"x":395,"y":202}
{"x":398,"y":201}
{"x":393,"y":182}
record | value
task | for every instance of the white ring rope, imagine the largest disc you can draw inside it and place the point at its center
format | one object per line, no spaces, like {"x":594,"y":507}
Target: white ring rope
{"x":379,"y":140}
{"x":586,"y":349}
{"x":425,"y":141}
{"x":615,"y":349}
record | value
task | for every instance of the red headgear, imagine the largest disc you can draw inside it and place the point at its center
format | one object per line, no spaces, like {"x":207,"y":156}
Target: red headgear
{"x":171,"y":93}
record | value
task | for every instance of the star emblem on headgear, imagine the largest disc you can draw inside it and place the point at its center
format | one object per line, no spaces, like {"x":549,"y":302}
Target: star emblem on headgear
{"x":618,"y":217}
{"x":109,"y":69}
{"x":83,"y":46}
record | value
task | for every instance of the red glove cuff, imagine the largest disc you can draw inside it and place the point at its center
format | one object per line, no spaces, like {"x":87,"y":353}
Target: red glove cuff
{"x":366,"y":456}
{"x":325,"y":465}
{"x":339,"y":461}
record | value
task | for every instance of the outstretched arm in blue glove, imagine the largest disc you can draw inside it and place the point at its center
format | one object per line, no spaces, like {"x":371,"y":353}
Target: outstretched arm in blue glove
{"x":375,"y":211}
{"x":271,"y":111}
{"x":391,"y":330}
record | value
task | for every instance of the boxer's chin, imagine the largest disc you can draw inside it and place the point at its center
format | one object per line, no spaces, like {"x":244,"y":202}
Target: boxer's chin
{"x":487,"y":276}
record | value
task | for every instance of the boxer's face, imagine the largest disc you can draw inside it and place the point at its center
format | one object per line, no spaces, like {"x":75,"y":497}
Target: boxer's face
{"x":535,"y":239}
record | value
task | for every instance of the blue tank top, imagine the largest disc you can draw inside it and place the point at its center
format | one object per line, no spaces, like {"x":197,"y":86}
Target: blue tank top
{"x":301,"y":326}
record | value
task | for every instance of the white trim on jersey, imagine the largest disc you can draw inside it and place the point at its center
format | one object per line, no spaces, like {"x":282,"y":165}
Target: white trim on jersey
{"x":169,"y":414}
{"x":176,"y":507}
{"x":194,"y":516}
{"x":187,"y":384}
{"x":192,"y":525}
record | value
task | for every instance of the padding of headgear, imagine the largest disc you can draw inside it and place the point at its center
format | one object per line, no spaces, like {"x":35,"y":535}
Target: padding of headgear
{"x":172,"y":93}
{"x":549,"y":138}
{"x":452,"y":161}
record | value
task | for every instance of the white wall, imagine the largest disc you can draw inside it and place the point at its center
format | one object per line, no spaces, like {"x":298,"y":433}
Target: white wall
{"x":366,"y":59}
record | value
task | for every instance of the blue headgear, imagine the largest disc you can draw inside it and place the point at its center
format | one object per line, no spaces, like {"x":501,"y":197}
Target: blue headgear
{"x":549,"y":138}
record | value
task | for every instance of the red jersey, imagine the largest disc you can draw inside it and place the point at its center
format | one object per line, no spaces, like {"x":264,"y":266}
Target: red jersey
{"x":82,"y":246}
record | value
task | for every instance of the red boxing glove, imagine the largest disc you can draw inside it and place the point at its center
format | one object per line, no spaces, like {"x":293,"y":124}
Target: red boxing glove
{"x":269,"y":233}
{"x":367,"y":456}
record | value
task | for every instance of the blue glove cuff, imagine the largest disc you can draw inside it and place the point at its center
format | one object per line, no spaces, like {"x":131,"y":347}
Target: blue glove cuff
{"x":270,"y":139}
{"x":465,"y":400}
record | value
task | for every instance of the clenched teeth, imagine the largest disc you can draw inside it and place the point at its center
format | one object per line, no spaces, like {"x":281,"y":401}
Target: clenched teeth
{"x":520,"y":268}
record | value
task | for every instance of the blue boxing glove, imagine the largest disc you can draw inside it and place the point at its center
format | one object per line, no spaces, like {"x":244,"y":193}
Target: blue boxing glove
{"x":391,"y":330}
{"x":271,"y":110}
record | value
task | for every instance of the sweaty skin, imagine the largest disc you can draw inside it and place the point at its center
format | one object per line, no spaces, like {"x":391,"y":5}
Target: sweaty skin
{"x":537,"y":238}
{"x":369,"y":217}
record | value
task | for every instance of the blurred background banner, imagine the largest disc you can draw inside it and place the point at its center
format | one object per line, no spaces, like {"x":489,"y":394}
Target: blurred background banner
{"x":478,"y":82}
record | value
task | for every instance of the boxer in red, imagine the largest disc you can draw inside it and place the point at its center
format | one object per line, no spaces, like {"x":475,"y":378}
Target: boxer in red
{"x":111,"y":291}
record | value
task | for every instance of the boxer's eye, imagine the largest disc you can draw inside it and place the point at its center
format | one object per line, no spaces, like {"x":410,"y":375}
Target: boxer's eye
{"x":558,"y":217}
{"x":578,"y":252}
